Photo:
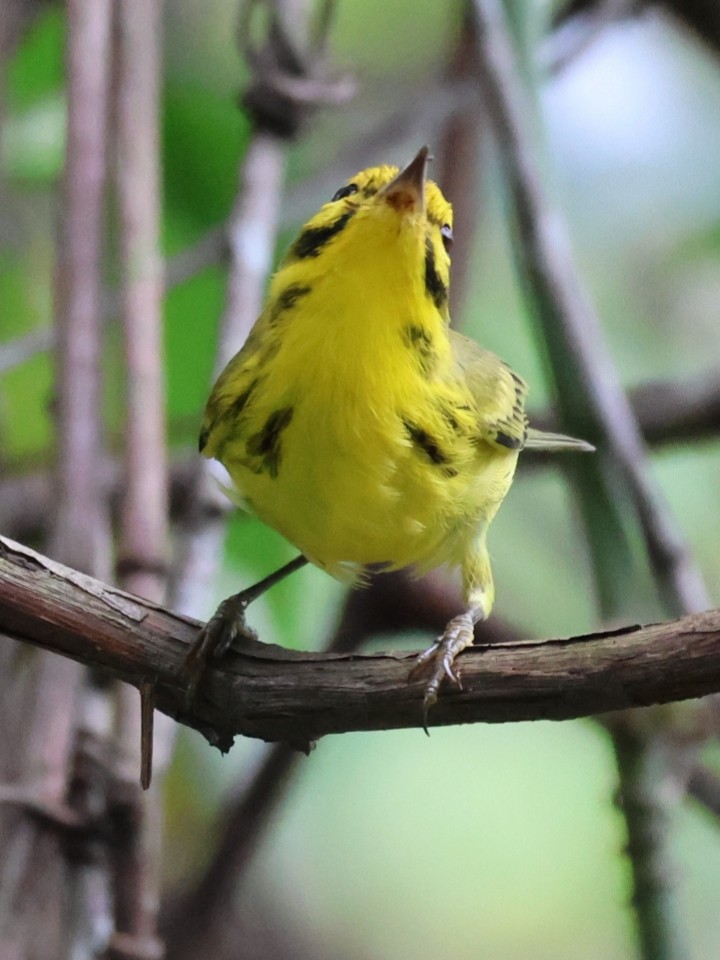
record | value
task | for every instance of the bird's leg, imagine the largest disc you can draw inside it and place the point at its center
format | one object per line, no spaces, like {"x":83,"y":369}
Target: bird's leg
{"x":227,"y":624}
{"x":439,"y":658}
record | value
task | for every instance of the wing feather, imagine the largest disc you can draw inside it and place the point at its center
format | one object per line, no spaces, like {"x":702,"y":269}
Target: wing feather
{"x":499,"y":393}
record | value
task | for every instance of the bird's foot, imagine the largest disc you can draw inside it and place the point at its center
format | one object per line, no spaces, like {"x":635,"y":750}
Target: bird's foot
{"x":439,"y":659}
{"x":225,"y":626}
{"x":228,"y":624}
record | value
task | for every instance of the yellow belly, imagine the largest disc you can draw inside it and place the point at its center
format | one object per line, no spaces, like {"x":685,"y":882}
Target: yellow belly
{"x":356,"y":491}
{"x":354,"y":430}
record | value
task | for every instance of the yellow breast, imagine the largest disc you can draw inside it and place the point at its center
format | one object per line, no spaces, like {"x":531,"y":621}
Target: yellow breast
{"x":345,"y":422}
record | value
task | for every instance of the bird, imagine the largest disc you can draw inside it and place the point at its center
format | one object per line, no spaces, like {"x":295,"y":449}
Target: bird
{"x":358,"y":424}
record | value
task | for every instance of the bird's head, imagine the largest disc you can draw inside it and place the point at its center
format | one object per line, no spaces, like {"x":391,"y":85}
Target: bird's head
{"x":386,"y":213}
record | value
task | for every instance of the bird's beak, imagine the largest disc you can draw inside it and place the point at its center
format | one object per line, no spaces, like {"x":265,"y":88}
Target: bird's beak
{"x":407,"y":191}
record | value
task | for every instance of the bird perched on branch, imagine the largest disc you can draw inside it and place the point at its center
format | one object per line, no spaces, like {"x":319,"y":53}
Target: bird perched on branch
{"x":356,"y":423}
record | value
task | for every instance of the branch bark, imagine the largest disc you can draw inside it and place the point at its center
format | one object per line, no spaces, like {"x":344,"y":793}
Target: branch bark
{"x":272,"y":693}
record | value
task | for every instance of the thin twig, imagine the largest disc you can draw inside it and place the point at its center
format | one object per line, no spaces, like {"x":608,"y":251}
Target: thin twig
{"x":143,"y":548}
{"x":142,"y":558}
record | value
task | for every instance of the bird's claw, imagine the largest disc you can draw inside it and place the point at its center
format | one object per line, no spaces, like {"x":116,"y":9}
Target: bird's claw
{"x":443,"y":668}
{"x":225,"y":626}
{"x":440,"y":656}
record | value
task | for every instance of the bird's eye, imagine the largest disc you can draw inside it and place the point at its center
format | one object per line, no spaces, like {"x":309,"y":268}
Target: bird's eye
{"x":447,"y":236}
{"x":347,"y":191}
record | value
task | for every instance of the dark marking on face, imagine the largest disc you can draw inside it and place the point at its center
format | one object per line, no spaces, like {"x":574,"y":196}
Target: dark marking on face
{"x":266,"y":443}
{"x":429,"y":446}
{"x":347,"y":191}
{"x":312,"y":240}
{"x":204,"y":437}
{"x":419,"y":339}
{"x":434,"y":285}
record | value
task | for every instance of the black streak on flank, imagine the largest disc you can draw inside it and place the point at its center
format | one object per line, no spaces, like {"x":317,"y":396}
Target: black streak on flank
{"x":418,"y":338}
{"x":266,"y":443}
{"x":449,"y":419}
{"x":240,"y":402}
{"x":436,"y":289}
{"x":311,"y":241}
{"x":422,"y":439}
{"x":286,"y":300}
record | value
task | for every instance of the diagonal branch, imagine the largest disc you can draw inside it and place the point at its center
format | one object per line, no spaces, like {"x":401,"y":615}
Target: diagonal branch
{"x":271,"y":693}
{"x":590,"y":395}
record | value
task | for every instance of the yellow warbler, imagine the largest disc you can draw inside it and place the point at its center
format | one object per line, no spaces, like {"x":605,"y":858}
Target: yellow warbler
{"x":356,"y":423}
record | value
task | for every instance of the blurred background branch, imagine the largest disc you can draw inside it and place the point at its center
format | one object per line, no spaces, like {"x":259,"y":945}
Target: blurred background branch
{"x":592,"y":403}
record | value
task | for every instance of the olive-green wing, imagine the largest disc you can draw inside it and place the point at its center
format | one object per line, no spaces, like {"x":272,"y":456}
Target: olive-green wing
{"x":232,"y":391}
{"x":499,"y":393}
{"x":500,"y":397}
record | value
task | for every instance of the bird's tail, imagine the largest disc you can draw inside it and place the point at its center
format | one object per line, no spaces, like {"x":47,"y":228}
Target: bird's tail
{"x":551,"y":442}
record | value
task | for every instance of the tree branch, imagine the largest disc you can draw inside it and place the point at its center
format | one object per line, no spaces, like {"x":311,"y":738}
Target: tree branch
{"x":272,"y":693}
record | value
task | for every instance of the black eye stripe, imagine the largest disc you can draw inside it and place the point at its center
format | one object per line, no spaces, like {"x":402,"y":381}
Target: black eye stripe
{"x":347,"y":191}
{"x":447,"y":235}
